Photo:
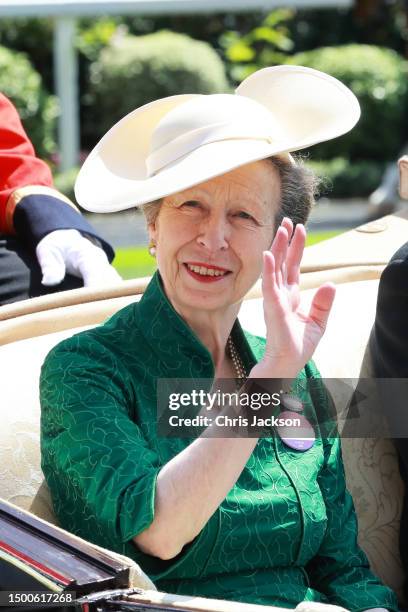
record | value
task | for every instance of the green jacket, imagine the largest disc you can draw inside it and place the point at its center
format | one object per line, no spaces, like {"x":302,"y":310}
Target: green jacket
{"x":286,"y":532}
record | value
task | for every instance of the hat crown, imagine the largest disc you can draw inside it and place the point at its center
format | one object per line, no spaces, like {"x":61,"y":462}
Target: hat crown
{"x":204,"y":120}
{"x":206,"y":111}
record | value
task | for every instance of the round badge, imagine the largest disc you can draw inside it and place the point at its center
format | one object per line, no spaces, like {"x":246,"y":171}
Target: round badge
{"x":291,"y":402}
{"x":300,"y":435}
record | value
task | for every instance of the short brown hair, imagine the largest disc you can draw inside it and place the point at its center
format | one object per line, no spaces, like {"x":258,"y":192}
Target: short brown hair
{"x":299,"y":187}
{"x":151,"y":210}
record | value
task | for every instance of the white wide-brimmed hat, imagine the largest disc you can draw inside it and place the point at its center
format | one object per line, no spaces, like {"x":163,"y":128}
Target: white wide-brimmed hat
{"x":176,"y":142}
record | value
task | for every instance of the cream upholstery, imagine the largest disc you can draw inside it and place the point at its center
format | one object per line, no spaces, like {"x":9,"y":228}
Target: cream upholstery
{"x":29,"y":330}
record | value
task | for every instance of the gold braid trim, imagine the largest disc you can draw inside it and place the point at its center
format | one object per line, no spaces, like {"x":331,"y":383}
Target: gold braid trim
{"x":17,"y":195}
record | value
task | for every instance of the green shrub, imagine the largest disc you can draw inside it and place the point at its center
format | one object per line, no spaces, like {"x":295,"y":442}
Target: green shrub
{"x":342,"y":178}
{"x":34,"y":37}
{"x":38,"y":110}
{"x":134,"y":70}
{"x":266,"y":44}
{"x":93,"y":37}
{"x":378,"y":77}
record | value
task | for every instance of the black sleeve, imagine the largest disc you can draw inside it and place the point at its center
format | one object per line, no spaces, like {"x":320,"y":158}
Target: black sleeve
{"x":38,"y":214}
{"x":389,"y":341}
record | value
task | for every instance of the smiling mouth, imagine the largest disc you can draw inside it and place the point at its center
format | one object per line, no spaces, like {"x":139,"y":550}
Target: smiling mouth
{"x":205,"y":271}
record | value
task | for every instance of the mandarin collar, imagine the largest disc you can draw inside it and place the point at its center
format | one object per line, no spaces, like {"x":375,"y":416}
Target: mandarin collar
{"x":178,"y":348}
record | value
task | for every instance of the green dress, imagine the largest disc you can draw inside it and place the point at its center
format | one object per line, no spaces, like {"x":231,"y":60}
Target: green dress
{"x":285,"y":533}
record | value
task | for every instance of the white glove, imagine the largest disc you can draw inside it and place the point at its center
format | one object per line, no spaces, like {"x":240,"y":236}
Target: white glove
{"x":64,"y":251}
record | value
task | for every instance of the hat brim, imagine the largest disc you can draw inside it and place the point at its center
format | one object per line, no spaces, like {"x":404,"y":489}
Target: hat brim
{"x":201,"y":165}
{"x":310,"y":106}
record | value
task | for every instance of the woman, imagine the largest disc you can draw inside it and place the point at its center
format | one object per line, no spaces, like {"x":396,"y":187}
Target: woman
{"x":254,"y":520}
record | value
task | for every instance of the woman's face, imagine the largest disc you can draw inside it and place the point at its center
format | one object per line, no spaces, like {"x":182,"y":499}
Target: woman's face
{"x":210,"y":238}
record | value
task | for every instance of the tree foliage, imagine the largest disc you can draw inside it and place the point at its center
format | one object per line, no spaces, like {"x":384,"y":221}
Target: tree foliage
{"x":20,"y":82}
{"x":134,"y":70}
{"x":266,"y":44}
{"x":379,"y":79}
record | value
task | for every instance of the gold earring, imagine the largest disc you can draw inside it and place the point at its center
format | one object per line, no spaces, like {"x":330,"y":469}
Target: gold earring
{"x":152,"y":248}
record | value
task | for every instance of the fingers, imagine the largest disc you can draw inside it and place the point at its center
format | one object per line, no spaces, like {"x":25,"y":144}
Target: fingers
{"x":288,"y":251}
{"x":268,"y":273}
{"x":295,"y":254}
{"x":52,"y":265}
{"x":69,"y":251}
{"x":279,"y":250}
{"x":95,"y":268}
{"x":321,"y":304}
{"x":270,"y":287}
{"x":106,"y":276}
{"x":287,"y":223}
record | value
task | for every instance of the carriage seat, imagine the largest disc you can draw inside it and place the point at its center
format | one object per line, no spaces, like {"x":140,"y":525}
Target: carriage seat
{"x":354,"y":260}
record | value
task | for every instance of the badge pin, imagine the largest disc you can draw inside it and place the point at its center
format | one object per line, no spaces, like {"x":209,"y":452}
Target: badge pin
{"x":299,"y":436}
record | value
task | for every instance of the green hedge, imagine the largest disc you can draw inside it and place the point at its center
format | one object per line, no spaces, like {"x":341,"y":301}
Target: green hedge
{"x":342,"y":178}
{"x":379,"y":78}
{"x":38,"y":110}
{"x":134,"y":70}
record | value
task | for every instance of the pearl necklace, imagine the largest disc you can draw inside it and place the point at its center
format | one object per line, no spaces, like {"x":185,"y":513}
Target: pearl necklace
{"x":236,"y":359}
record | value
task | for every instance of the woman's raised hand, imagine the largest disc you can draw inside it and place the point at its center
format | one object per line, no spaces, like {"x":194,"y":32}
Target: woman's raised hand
{"x":291,"y":334}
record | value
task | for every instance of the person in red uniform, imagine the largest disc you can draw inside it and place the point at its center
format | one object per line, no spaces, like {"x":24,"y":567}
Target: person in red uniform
{"x":46,"y":245}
